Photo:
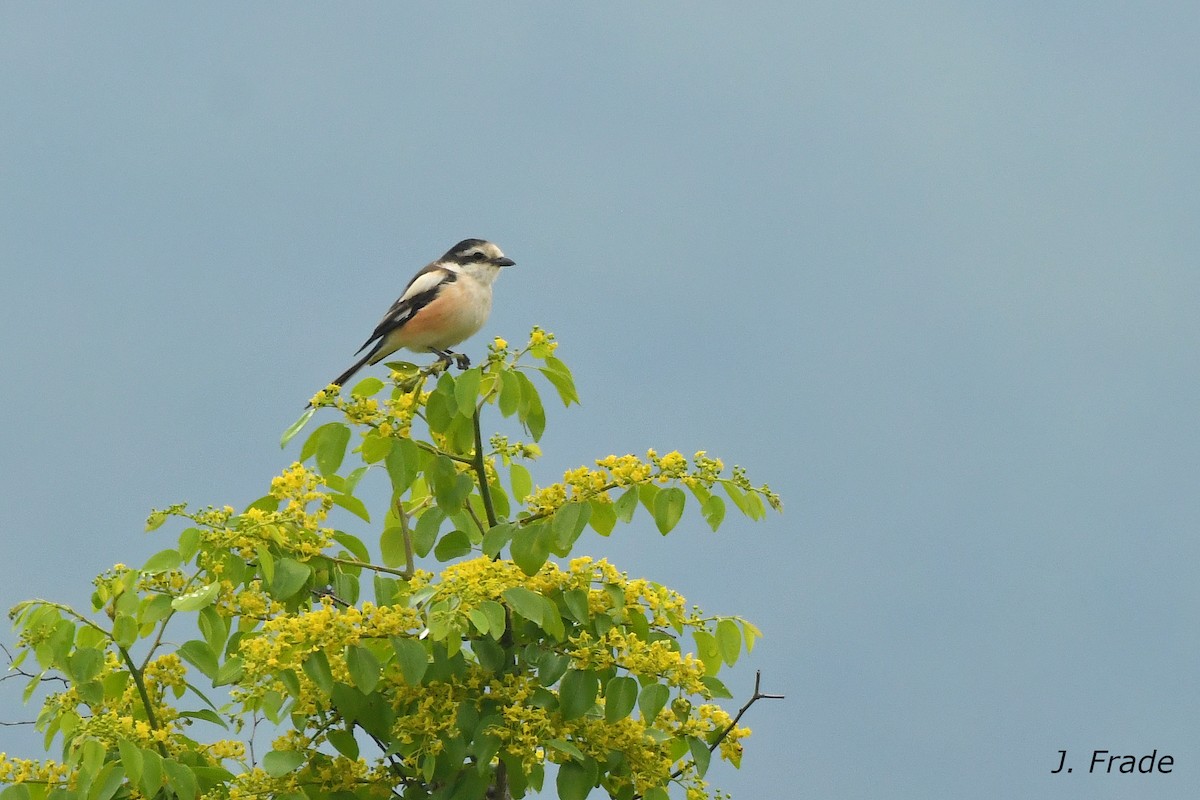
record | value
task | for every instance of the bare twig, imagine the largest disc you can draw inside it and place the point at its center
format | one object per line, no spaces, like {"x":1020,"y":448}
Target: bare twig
{"x":754,"y":698}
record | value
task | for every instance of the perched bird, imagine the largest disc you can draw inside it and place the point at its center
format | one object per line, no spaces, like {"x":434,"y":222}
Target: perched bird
{"x":444,"y":304}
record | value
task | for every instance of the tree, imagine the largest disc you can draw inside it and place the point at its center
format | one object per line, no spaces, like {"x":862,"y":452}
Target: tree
{"x":455,"y":685}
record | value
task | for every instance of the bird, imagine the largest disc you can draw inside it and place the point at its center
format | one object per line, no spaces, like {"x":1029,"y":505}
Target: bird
{"x":444,"y":304}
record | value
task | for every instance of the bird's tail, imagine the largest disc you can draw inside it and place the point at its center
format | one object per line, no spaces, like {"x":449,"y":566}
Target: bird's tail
{"x":340,"y":380}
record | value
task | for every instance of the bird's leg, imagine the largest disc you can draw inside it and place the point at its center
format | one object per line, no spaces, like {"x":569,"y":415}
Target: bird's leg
{"x":446,"y":356}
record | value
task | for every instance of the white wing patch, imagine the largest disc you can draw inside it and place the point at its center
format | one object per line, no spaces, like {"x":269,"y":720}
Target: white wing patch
{"x":424,"y":282}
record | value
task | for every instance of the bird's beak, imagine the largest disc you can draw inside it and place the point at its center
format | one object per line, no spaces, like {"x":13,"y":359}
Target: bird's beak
{"x":503,"y":262}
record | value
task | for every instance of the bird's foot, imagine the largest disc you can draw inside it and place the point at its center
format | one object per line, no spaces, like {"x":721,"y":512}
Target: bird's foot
{"x":445,"y":357}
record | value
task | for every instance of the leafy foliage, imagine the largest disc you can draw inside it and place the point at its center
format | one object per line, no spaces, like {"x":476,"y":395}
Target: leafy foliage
{"x":380,"y":678}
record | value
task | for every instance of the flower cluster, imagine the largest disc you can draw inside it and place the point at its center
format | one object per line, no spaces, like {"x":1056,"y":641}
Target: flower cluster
{"x":22,"y":770}
{"x":615,"y":472}
{"x":299,"y":486}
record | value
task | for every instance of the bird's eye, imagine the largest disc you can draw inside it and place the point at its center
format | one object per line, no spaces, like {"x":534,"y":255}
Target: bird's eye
{"x":478,"y":256}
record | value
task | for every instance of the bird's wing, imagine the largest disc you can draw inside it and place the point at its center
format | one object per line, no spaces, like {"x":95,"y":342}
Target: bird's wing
{"x":420,"y":292}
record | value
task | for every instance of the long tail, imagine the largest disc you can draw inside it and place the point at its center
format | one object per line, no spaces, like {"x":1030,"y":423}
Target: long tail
{"x":340,"y":380}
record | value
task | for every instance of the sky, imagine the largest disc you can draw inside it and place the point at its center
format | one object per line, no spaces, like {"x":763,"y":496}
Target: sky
{"x":930,"y":269}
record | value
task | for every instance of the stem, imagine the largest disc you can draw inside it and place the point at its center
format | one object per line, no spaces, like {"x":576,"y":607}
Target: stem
{"x":758,"y":695}
{"x":409,"y":564}
{"x":481,"y":473}
{"x":141,"y":687}
{"x":351,"y":562}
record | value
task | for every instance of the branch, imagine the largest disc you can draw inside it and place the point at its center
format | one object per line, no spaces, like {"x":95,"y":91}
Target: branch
{"x":753,"y":699}
{"x":758,"y":695}
{"x":481,"y":473}
{"x":351,"y":562}
{"x":141,"y":687}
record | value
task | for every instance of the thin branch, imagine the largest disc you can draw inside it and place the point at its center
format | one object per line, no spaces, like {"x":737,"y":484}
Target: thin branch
{"x":481,"y":473}
{"x":410,"y":566}
{"x":138,"y":681}
{"x":351,"y":562}
{"x":754,"y":698}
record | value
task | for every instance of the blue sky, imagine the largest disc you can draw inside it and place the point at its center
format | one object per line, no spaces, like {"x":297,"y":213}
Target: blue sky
{"x":929,"y":269}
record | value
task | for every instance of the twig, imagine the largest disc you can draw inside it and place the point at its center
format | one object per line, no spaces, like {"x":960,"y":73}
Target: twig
{"x":481,"y":473}
{"x":758,"y":695}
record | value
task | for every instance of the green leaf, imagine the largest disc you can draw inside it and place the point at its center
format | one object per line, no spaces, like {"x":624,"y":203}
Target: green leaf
{"x":552,"y":622}
{"x":603,"y":518}
{"x":296,"y":427}
{"x":403,"y":464}
{"x":496,"y":618}
{"x":450,"y":487}
{"x":391,"y":545}
{"x":454,"y":544}
{"x":651,"y":701}
{"x":567,"y":523}
{"x":551,"y":666}
{"x":738,"y":497}
{"x":189,"y":543}
{"x":564,"y":384}
{"x":510,"y":393}
{"x":426,"y":531}
{"x":525,"y":602}
{"x":466,"y":390}
{"x":575,"y":779}
{"x":351,"y":504}
{"x":620,"y":696}
{"x":440,"y":408}
{"x":708,"y":651}
{"x":657,"y":793}
{"x":490,"y":653}
{"x":353,"y":544}
{"x":278,"y":763}
{"x":716,"y":688}
{"x":367,"y":387}
{"x":566,"y":748}
{"x":131,"y":759}
{"x":107,"y":781}
{"x":626,"y":504}
{"x":152,"y":772}
{"x":412,"y":658}
{"x":125,"y":630}
{"x":729,"y":641}
{"x":84,"y":664}
{"x":576,"y":601}
{"x":181,"y":778}
{"x":316,"y":667}
{"x":480,"y":621}
{"x":162,"y":561}
{"x":521,"y":481}
{"x":331,"y":441}
{"x":290,"y":577}
{"x":577,"y":693}
{"x":752,"y":633}
{"x":200,"y":656}
{"x":375,"y":448}
{"x":531,"y":547}
{"x":713,"y":510}
{"x":17,"y":791}
{"x":563,"y":372}
{"x":496,"y":537}
{"x":531,"y":413}
{"x":206,"y":714}
{"x":701,"y":755}
{"x":214,"y":627}
{"x":197,"y":598}
{"x":364,"y":668}
{"x":344,"y":742}
{"x":668,"y":508}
